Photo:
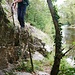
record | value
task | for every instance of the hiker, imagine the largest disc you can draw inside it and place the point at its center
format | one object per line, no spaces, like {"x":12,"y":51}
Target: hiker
{"x":21,"y":10}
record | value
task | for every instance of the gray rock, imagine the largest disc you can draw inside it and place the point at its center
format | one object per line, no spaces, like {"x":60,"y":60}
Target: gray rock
{"x":23,"y":73}
{"x":1,"y":73}
{"x":38,"y":56}
{"x":41,"y":73}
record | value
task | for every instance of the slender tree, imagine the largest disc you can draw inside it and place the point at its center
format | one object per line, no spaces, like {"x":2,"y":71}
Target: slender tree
{"x":58,"y":38}
{"x":57,"y":59}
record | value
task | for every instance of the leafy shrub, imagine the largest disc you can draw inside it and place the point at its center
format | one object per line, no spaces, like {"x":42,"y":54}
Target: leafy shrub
{"x":65,"y":68}
{"x":24,"y":66}
{"x":50,"y":58}
{"x":64,"y":64}
{"x":38,"y":65}
{"x":69,"y":71}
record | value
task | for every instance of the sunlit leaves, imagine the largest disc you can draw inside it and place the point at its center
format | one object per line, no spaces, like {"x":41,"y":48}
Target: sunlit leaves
{"x":67,"y":12}
{"x":73,"y":43}
{"x":38,"y":14}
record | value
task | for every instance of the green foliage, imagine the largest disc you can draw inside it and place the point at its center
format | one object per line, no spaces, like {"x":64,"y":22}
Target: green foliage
{"x":50,"y":58}
{"x":48,"y":61}
{"x":56,"y":16}
{"x":65,"y":68}
{"x":49,"y":29}
{"x":69,"y":71}
{"x":67,"y":12}
{"x":38,"y":14}
{"x":64,"y":64}
{"x":38,"y":65}
{"x":24,"y":66}
{"x":73,"y":43}
{"x":3,"y":1}
{"x":58,"y":35}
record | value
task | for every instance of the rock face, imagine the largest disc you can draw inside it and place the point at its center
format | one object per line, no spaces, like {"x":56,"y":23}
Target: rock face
{"x":41,"y":73}
{"x":15,"y":43}
{"x":1,"y":73}
{"x":3,"y":59}
{"x":22,"y":73}
{"x":38,"y":56}
{"x":3,"y":22}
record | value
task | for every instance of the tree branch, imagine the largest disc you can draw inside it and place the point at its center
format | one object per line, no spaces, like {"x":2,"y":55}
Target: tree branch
{"x":68,"y":50}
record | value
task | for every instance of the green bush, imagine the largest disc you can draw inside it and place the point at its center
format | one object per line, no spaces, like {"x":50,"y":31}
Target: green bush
{"x":50,"y":58}
{"x":65,"y":68}
{"x":24,"y":66}
{"x":64,"y":64}
{"x":38,"y":65}
{"x":69,"y":71}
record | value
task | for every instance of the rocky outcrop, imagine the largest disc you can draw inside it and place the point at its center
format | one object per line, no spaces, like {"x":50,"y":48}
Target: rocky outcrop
{"x":15,"y":42}
{"x":3,"y":59}
{"x":3,"y":38}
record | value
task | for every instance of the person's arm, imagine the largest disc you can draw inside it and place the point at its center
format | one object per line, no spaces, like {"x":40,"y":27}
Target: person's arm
{"x":16,"y":1}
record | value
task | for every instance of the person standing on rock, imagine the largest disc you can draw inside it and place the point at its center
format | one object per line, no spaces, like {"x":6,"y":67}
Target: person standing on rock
{"x":21,"y":10}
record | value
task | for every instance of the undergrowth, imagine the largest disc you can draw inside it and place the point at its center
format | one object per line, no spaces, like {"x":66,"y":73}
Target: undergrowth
{"x":65,"y":68}
{"x":38,"y":64}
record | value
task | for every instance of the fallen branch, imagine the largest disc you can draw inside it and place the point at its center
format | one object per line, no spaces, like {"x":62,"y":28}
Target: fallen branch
{"x":68,"y":50}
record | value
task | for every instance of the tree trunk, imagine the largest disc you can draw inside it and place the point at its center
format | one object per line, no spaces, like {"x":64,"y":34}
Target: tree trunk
{"x":57,"y":59}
